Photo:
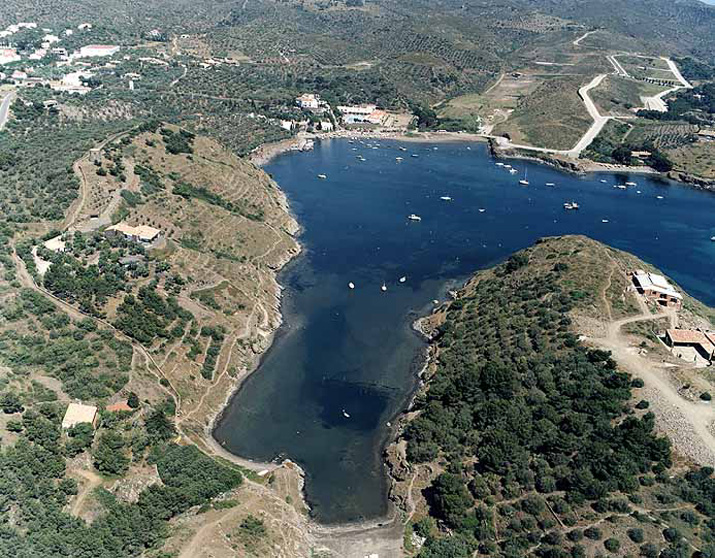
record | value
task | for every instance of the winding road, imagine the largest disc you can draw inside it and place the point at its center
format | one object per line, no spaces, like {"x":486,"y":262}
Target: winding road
{"x":5,"y":108}
{"x":599,"y":122}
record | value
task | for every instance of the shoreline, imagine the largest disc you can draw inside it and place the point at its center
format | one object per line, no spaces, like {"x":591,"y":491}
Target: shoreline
{"x":265,"y":153}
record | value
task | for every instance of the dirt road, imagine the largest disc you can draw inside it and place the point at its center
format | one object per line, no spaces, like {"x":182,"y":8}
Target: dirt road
{"x":687,"y":423}
{"x":93,"y":481}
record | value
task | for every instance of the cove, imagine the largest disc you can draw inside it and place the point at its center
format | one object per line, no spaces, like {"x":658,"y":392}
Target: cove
{"x":352,"y":352}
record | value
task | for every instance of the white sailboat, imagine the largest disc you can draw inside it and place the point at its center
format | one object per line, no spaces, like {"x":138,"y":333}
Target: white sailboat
{"x":345,"y":414}
{"x":524,"y":181}
{"x":351,"y":285}
{"x":383,"y":288}
{"x":403,"y":279}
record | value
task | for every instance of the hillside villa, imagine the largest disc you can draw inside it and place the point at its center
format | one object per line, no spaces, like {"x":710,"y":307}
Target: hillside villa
{"x":656,"y":288}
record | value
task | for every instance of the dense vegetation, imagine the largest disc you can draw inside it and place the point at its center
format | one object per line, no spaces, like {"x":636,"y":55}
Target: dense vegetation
{"x":33,"y":485}
{"x":530,"y":425}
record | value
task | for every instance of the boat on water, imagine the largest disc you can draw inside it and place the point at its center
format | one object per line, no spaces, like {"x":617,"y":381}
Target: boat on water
{"x":415,"y":155}
{"x":384,"y":287}
{"x":570,"y":206}
{"x":604,"y":181}
{"x":604,"y":220}
{"x":524,"y":181}
{"x":482,"y":210}
{"x":322,"y":176}
{"x":403,"y":149}
{"x":620,"y":186}
{"x":403,"y":279}
{"x":500,"y":164}
{"x":507,"y":166}
{"x":631,"y":184}
{"x":712,"y":238}
{"x":413,"y":217}
{"x":351,"y":285}
{"x":513,"y":171}
{"x":659,"y":197}
{"x":550,"y":184}
{"x":345,"y":414}
{"x":398,"y":159}
{"x":638,"y":192}
{"x":445,"y":198}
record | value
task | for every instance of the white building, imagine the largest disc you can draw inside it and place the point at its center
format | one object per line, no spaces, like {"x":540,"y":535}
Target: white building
{"x":308,"y":101}
{"x":656,"y":288}
{"x":142,"y":233}
{"x":97,"y":50}
{"x":79,"y":414}
{"x":357,"y":110}
{"x":8,"y":55}
{"x":326,"y":126}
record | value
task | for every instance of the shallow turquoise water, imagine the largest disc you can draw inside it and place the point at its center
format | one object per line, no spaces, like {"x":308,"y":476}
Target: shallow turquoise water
{"x":354,"y":351}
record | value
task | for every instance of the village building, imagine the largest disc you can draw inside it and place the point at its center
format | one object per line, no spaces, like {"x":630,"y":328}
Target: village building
{"x":656,"y":288}
{"x":326,"y":126}
{"x":8,"y":55}
{"x":702,"y":342}
{"x":79,"y":414}
{"x":119,"y":406}
{"x":140,"y":233}
{"x":308,"y":101}
{"x":90,"y":51}
{"x":363,"y":114}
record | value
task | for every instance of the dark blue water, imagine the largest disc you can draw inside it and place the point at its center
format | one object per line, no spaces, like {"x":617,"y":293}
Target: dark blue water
{"x":354,"y":351}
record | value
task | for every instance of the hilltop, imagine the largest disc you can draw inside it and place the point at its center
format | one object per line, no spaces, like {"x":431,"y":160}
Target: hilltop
{"x":529,"y":439}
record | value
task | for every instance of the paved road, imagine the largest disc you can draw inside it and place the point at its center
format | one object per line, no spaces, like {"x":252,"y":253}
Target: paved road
{"x":598,"y":123}
{"x":674,"y":68}
{"x":5,"y":108}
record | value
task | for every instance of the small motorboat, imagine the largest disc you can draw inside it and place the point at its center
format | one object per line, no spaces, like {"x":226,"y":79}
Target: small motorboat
{"x":383,"y":288}
{"x":631,"y":184}
{"x":345,"y":414}
{"x":507,"y":166}
{"x":413,"y":217}
{"x":620,"y":186}
{"x":351,"y":285}
{"x":414,"y":155}
{"x":403,"y":279}
{"x":638,"y":192}
{"x":604,"y":181}
{"x":570,"y":206}
{"x":403,"y":149}
{"x":550,"y":184}
{"x":604,"y":220}
{"x":398,"y":159}
{"x":513,"y":171}
{"x":469,"y":148}
{"x":482,"y":210}
{"x":500,"y":164}
{"x":322,"y":176}
{"x":712,"y":239}
{"x":659,"y":197}
{"x":445,"y":198}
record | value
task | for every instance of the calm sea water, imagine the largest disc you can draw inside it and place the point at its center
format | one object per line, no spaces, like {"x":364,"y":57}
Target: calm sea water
{"x":352,"y":352}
